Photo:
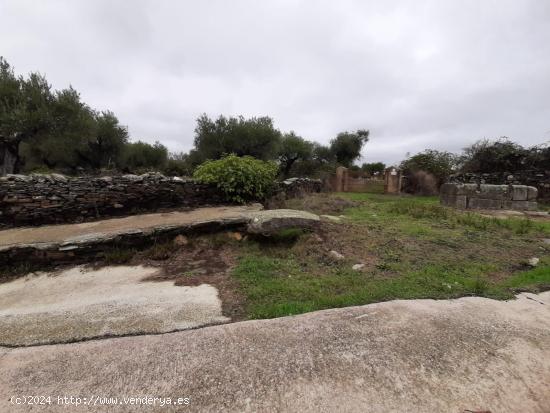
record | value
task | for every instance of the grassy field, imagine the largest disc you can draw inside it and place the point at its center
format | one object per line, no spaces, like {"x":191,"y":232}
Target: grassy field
{"x":411,"y":247}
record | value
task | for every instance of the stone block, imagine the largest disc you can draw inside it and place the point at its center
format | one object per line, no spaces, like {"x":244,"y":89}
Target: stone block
{"x":532,"y":193}
{"x":521,"y":205}
{"x":481,"y":203}
{"x":519,"y":193}
{"x":447,"y":200}
{"x":494,"y":192}
{"x":461,"y":201}
{"x":448,"y":190}
{"x":467,"y":189}
{"x":457,"y":201}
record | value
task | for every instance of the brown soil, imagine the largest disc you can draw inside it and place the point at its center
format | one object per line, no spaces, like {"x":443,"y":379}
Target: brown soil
{"x":201,"y":262}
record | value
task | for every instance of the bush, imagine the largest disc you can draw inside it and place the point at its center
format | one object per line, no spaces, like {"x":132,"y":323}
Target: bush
{"x":436,"y":163}
{"x":501,"y":155}
{"x":242,"y":179}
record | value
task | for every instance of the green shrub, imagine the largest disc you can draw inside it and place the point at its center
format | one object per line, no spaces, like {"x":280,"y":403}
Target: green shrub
{"x":241,"y":179}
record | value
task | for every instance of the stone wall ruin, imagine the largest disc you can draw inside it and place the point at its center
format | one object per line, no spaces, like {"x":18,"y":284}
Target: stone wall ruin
{"x":484,"y":196}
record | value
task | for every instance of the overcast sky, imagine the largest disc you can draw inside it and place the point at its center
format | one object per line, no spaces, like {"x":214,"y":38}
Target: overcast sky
{"x":419,"y":74}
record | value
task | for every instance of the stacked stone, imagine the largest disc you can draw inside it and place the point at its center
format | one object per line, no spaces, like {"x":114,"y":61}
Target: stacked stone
{"x":40,"y":199}
{"x":540,"y":179}
{"x":297,"y":187}
{"x":45,"y":199}
{"x":484,"y":196}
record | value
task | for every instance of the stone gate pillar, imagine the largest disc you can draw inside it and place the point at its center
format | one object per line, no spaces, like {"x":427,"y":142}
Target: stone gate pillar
{"x":341,"y":179}
{"x":392,"y":181}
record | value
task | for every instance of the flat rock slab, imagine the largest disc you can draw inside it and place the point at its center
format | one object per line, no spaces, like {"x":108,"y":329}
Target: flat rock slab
{"x":472,"y":354}
{"x":79,"y":304}
{"x":272,"y":221}
{"x":506,"y":213}
{"x":68,"y":235}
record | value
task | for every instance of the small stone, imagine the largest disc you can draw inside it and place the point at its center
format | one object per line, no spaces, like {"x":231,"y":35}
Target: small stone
{"x":330,"y":218}
{"x":336,"y":255}
{"x":272,"y":221}
{"x":58,"y":177}
{"x":533,"y":262}
{"x":134,"y":178}
{"x":358,"y":267}
{"x":235,"y":235}
{"x":546,"y":240}
{"x":118,"y":206}
{"x":181,"y":240}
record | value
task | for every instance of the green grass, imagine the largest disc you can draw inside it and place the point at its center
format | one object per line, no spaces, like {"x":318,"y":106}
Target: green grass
{"x":276,"y":287}
{"x":416,"y":249}
{"x":428,"y":208}
{"x":533,"y":279}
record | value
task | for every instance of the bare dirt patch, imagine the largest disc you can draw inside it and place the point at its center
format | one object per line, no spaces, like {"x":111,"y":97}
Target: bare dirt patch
{"x":206,"y":259}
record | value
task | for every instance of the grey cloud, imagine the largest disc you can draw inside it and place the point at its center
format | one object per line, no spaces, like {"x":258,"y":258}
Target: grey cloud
{"x":426,"y":74}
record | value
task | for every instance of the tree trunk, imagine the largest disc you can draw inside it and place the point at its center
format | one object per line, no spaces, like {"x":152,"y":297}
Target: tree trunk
{"x":9,"y":156}
{"x":288,"y":166}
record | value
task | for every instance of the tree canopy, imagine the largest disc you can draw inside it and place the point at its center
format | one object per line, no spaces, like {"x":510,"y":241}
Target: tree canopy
{"x":255,"y":137}
{"x":440,"y":164}
{"x":501,"y":155}
{"x":43,"y":128}
{"x":346,"y":147}
{"x":293,"y":148}
{"x":139,"y":156}
{"x":46,"y":129}
{"x":374,"y":167}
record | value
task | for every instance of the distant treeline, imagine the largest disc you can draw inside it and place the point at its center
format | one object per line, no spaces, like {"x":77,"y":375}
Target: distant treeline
{"x":53,"y":130}
{"x":484,"y":156}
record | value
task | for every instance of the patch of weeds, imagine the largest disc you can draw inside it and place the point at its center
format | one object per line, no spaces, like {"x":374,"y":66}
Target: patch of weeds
{"x":534,"y":279}
{"x":160,"y":252}
{"x":523,"y":226}
{"x":322,"y":204}
{"x":391,"y":256}
{"x":286,"y":236}
{"x":480,"y":286}
{"x":473,"y":220}
{"x":9,"y":272}
{"x":416,"y":228}
{"x":446,"y":242}
{"x":419,"y":210}
{"x":118,"y":255}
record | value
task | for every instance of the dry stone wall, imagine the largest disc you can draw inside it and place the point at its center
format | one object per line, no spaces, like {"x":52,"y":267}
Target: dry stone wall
{"x":40,"y":199}
{"x":53,"y":198}
{"x":484,"y":196}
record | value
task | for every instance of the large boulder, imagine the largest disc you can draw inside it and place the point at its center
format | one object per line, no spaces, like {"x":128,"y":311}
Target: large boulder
{"x":272,"y":221}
